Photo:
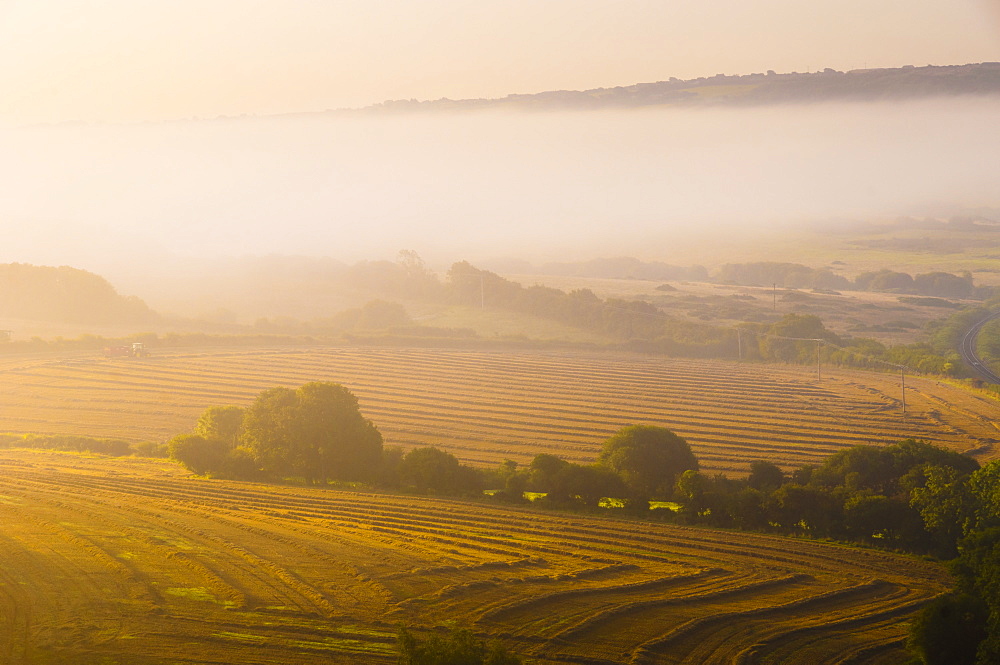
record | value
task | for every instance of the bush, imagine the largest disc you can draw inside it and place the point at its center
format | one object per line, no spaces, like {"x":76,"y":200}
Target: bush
{"x":150,"y":449}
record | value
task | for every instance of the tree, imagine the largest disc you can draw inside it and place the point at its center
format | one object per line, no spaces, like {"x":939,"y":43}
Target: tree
{"x":873,"y":516}
{"x":268,"y":430}
{"x":859,"y":467}
{"x":430,"y":469}
{"x":791,"y":338}
{"x":765,"y":476}
{"x":812,"y":509}
{"x":221,"y":423}
{"x":978,"y":573}
{"x":543,"y":470}
{"x":692,"y":490}
{"x":750,"y":509}
{"x":316,"y":432}
{"x":388,"y":469}
{"x":197,"y":453}
{"x":985,"y":487}
{"x":946,"y":506}
{"x":949,"y":629}
{"x":586,"y":484}
{"x":648,"y":458}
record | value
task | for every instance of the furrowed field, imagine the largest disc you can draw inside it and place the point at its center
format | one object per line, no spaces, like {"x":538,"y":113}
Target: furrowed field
{"x":131,"y":561}
{"x":488,"y":406}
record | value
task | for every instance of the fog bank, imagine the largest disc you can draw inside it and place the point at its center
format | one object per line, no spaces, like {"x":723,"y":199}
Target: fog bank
{"x":543,"y":186}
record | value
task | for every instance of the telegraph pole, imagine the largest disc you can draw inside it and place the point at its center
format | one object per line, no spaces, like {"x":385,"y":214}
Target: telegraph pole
{"x":819,"y":360}
{"x":902,"y":383}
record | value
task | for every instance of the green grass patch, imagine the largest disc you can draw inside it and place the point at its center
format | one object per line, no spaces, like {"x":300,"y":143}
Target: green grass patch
{"x":197,"y":593}
{"x":338,"y":644}
{"x":361,"y":630}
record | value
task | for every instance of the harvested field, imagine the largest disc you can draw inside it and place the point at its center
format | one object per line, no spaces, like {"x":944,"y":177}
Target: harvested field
{"x":132,"y":561}
{"x":488,"y":406}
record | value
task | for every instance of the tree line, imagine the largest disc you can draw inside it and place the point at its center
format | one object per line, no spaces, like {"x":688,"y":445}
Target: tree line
{"x":797,"y":276}
{"x":316,"y":433}
{"x":637,"y":325}
{"x":68,"y":295}
{"x":641,"y":326}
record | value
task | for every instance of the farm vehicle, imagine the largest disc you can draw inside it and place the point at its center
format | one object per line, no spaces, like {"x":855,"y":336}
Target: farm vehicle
{"x":134,"y":350}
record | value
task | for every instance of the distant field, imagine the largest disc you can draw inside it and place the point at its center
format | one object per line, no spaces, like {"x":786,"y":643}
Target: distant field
{"x":850,"y":248}
{"x":488,"y":406}
{"x":880,"y":316}
{"x":131,"y":561}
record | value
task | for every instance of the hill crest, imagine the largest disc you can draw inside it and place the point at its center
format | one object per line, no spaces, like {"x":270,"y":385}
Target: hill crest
{"x":889,"y":84}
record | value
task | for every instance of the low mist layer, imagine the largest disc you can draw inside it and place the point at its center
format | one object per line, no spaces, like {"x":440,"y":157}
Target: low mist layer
{"x":129,"y":199}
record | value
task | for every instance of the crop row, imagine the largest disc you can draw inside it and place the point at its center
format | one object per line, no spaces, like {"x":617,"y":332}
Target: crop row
{"x":489,"y":406}
{"x":299,"y":575}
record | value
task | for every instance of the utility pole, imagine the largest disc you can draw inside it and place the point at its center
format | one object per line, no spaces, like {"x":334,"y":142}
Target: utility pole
{"x":902,"y":383}
{"x":819,"y":359}
{"x":739,"y":342}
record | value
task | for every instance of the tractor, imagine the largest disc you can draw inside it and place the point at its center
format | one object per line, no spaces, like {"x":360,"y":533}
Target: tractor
{"x":136,"y":350}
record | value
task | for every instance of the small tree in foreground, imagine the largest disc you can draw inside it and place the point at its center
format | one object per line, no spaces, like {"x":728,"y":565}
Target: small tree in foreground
{"x":459,"y":647}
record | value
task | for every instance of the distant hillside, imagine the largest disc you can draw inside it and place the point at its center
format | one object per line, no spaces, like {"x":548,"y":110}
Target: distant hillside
{"x":66,"y":295}
{"x":751,"y":89}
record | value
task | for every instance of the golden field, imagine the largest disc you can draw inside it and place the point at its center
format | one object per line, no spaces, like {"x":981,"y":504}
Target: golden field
{"x":132,"y":561}
{"x":485,"y":406}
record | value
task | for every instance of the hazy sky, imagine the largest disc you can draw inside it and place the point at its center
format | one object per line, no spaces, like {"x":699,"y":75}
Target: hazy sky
{"x":126,"y":60}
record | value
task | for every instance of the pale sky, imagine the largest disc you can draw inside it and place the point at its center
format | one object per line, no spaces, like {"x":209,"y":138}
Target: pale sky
{"x":134,"y":60}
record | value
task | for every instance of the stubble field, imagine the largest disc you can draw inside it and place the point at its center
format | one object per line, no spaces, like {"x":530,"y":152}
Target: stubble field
{"x":132,"y":561}
{"x":487,"y":406}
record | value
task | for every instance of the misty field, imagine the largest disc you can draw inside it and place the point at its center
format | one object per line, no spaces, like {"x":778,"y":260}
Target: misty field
{"x":133,"y":561}
{"x":488,"y":406}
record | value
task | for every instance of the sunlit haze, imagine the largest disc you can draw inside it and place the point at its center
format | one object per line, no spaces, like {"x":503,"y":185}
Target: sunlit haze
{"x":126,"y":179}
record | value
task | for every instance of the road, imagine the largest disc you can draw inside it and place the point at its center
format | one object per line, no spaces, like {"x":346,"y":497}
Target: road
{"x":968,"y":350}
